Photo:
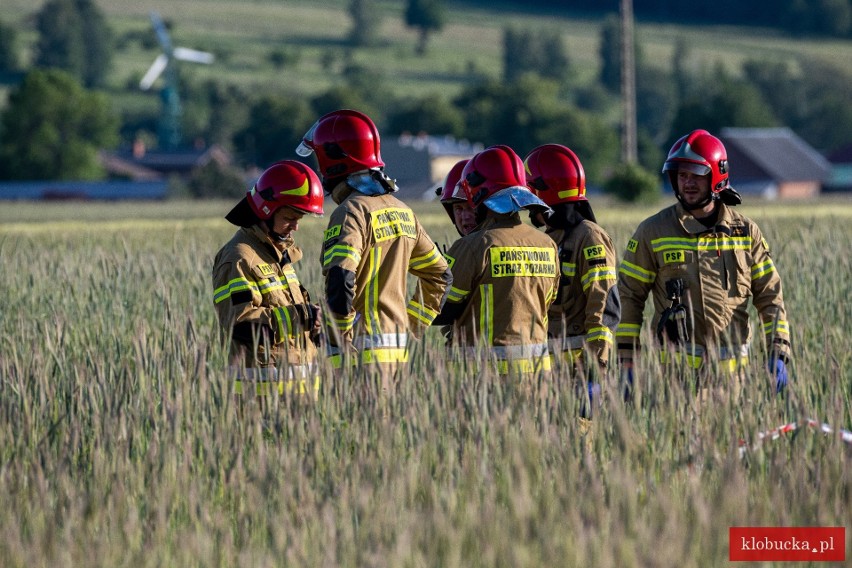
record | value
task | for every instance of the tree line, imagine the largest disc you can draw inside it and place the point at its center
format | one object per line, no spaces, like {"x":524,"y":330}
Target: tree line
{"x":800,"y":17}
{"x":56,"y":120}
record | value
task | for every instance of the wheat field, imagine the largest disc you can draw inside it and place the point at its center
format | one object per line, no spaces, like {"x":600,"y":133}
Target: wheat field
{"x":121,"y":445}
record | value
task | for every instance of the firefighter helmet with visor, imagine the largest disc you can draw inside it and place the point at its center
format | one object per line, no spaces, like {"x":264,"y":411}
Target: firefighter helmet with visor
{"x":344,"y":141}
{"x":700,"y":153}
{"x":495,"y":178}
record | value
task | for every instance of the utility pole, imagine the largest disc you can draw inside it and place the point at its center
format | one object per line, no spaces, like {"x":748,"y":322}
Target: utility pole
{"x":629,"y":153}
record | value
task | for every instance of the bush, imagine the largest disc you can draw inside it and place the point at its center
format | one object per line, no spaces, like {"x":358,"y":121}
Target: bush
{"x":216,"y":180}
{"x":634,"y":184}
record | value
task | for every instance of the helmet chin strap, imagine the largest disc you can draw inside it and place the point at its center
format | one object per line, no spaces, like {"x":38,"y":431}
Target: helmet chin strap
{"x":277,"y":237}
{"x":714,"y":196}
{"x":701,"y":204}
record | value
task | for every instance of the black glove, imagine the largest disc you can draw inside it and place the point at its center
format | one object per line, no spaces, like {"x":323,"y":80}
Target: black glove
{"x":315,"y":325}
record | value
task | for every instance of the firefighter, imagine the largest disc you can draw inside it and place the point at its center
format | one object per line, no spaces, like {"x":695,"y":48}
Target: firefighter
{"x":372,"y":243}
{"x":458,"y":209}
{"x":460,"y":213}
{"x":262,"y":307}
{"x":505,"y":273}
{"x":700,"y":260}
{"x":583,"y":319}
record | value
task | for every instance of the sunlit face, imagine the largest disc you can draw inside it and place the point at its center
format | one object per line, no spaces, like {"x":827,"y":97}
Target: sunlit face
{"x":464,"y":216}
{"x":693,"y":188}
{"x":285,"y":221}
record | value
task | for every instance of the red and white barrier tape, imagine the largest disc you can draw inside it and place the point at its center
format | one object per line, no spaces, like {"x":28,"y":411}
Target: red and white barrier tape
{"x":776,"y":433}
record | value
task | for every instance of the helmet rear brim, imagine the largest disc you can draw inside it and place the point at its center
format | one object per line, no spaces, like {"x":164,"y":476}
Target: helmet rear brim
{"x":242,"y":215}
{"x":513,"y":199}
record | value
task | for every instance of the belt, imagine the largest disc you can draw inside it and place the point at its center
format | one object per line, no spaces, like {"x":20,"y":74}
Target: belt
{"x":569,"y":343}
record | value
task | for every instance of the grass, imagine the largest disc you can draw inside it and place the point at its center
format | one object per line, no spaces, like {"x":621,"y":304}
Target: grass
{"x":120,"y":443}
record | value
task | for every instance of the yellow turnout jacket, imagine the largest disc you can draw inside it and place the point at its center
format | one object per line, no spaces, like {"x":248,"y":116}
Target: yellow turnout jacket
{"x":722,"y":267}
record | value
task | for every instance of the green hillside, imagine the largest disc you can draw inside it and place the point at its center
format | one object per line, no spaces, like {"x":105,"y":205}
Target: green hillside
{"x":243,"y":33}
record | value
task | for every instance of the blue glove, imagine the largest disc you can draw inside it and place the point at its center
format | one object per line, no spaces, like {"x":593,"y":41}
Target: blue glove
{"x":594,"y":392}
{"x":627,"y":378}
{"x":778,"y":369}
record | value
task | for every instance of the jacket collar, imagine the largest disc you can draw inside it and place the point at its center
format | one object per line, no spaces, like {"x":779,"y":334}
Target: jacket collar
{"x":286,"y":251}
{"x":340,"y":192}
{"x":693,"y":226}
{"x":495,"y":220}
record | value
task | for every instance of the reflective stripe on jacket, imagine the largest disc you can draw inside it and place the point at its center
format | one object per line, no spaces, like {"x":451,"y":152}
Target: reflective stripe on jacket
{"x":587,"y":308}
{"x":722,"y":267}
{"x":505,"y":277}
{"x":371,"y":245}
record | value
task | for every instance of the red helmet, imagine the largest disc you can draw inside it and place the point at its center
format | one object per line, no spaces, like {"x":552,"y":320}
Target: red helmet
{"x":284,"y":184}
{"x":449,"y":187}
{"x":701,"y":153}
{"x":555,"y":174}
{"x":495,"y":178}
{"x":491,"y":170}
{"x":345,"y":141}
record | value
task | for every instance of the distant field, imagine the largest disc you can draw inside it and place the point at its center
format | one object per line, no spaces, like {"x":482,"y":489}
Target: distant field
{"x":120,"y":444}
{"x":244,"y":32}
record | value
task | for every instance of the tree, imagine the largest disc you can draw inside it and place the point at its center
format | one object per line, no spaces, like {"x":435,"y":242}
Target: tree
{"x":8,"y":49}
{"x":680,"y":69}
{"x":53,"y":129}
{"x":528,"y":112}
{"x":610,"y":54}
{"x":275,"y":127}
{"x":527,"y":51}
{"x":432,"y":113}
{"x":218,"y":111}
{"x":363,"y":89}
{"x":555,"y":61}
{"x":634,"y":184}
{"x":609,"y":51}
{"x":97,"y":45}
{"x":228,"y":112}
{"x":655,"y":102}
{"x":427,"y":16}
{"x":73,"y":36}
{"x":825,"y":17}
{"x":366,"y":21}
{"x":216,"y":180}
{"x":721,"y":101}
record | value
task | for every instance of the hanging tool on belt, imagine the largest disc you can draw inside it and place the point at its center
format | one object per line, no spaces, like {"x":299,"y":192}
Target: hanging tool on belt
{"x":673,"y":321}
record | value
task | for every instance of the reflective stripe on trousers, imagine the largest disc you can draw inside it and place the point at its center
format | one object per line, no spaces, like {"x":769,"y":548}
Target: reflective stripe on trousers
{"x":693,"y":357}
{"x":570,"y":347}
{"x":299,"y":379}
{"x":514,"y":358}
{"x":369,"y":356}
